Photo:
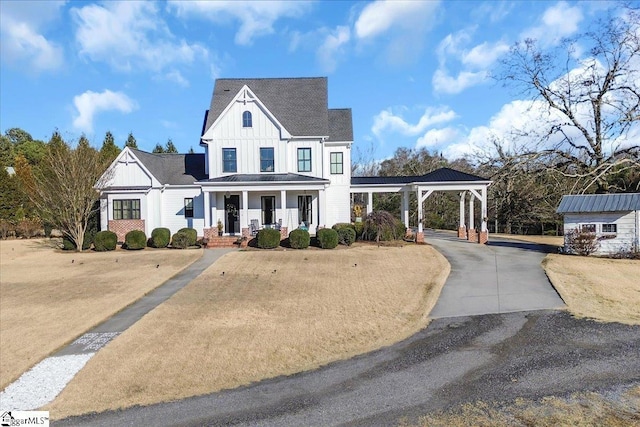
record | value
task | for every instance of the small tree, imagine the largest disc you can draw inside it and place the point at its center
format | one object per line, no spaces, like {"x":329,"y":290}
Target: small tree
{"x":63,"y":188}
{"x":171,"y":148}
{"x":581,"y":242}
{"x":131,"y":141}
{"x":377,"y":222}
{"x":109,"y":150}
{"x":158,"y":149}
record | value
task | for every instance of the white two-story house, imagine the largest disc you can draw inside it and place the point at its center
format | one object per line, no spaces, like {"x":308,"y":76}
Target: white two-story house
{"x":274,"y":155}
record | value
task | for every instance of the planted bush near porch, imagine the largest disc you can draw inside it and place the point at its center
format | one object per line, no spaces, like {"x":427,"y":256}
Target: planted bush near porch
{"x":299,"y":239}
{"x":382,"y":226}
{"x":180,"y":240}
{"x":346,"y":233}
{"x":268,"y":238}
{"x":105,"y":241}
{"x":327,"y":238}
{"x":191,"y":233}
{"x":160,"y":237}
{"x":135,"y":239}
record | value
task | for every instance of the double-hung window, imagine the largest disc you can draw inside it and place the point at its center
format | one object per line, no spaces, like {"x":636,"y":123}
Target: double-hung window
{"x":609,"y":228}
{"x":304,"y":159}
{"x":588,"y":228}
{"x":266,"y":160}
{"x":335,"y":160}
{"x":304,"y":210}
{"x":126,"y":209}
{"x":229,"y":160}
{"x":247,"y":120}
{"x":188,"y":207}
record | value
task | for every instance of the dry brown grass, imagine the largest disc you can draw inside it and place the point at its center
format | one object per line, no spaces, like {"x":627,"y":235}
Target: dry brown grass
{"x":272,"y":313}
{"x":46,"y":300}
{"x":598,"y":288}
{"x":580,"y":409}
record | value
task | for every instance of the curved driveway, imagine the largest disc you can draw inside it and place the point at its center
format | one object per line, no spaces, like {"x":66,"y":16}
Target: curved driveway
{"x":492,"y":357}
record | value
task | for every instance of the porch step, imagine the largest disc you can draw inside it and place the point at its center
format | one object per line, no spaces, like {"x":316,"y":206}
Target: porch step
{"x":223,"y":242}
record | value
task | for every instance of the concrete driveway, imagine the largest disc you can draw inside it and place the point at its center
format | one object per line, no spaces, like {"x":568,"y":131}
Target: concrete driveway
{"x":501,"y":277}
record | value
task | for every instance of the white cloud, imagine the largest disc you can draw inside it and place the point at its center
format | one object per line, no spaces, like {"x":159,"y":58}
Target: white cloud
{"x":256,"y":17}
{"x":387,"y":121}
{"x":558,"y":21}
{"x":131,"y":35}
{"x":21,"y":35}
{"x":332,"y":47}
{"x":435,"y":137}
{"x":91,"y":103}
{"x":445,"y":83}
{"x":485,"y":54}
{"x":382,"y":15}
{"x":176,"y":77}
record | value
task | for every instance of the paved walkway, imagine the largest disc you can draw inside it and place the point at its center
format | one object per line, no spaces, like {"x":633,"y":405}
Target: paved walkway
{"x":503,"y":276}
{"x":42,"y":383}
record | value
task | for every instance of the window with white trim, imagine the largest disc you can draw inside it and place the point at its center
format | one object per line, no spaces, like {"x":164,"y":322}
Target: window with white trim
{"x":229,"y":160}
{"x":588,"y":228}
{"x":609,"y":228}
{"x":304,"y":159}
{"x":126,"y":209}
{"x":335,"y":160}
{"x":188,"y":207}
{"x":268,"y":209}
{"x":266,"y":160}
{"x":247,"y":120}
{"x":305,"y":213}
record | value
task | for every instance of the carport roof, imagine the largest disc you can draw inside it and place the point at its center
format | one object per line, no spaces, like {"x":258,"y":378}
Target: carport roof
{"x":599,"y":203}
{"x":438,"y":175}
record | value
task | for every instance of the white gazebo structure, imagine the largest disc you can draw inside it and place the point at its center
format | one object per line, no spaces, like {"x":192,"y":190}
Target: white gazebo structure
{"x":467,"y":186}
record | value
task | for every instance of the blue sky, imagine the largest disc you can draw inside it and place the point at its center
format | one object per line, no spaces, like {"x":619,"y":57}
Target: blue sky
{"x":416,"y":74}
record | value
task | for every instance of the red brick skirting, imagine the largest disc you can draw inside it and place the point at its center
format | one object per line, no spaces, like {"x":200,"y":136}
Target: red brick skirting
{"x":462,"y":232}
{"x":122,"y":226}
{"x":483,"y":237}
{"x":472,"y":235}
{"x":420,"y":237}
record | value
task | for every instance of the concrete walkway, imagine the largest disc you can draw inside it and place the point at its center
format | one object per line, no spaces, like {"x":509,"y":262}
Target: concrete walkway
{"x":42,"y":383}
{"x":503,"y":276}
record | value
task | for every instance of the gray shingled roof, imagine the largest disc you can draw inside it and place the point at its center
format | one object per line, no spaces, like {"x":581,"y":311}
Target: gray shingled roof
{"x":276,"y":177}
{"x":173,"y":169}
{"x":438,"y":175}
{"x":340,"y":124}
{"x":600,"y":203}
{"x":300,"y":104}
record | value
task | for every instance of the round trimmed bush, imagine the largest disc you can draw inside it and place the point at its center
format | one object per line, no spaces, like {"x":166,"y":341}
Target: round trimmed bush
{"x":268,"y":238}
{"x":299,"y":239}
{"x":191,"y":233}
{"x":160,"y":237}
{"x":180,"y":240}
{"x":105,"y":241}
{"x":346,"y":235}
{"x":134,"y":240}
{"x":327,"y":238}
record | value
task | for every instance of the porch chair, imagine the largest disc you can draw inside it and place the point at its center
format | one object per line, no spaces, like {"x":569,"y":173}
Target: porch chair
{"x":253,"y":227}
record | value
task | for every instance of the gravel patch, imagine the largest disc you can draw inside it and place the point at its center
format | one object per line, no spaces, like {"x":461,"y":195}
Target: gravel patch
{"x":42,"y":383}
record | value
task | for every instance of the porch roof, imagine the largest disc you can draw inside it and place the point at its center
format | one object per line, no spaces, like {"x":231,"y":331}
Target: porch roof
{"x":436,"y":176}
{"x":264,"y":178}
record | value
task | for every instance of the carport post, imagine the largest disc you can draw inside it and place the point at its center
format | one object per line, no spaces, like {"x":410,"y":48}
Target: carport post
{"x":462,"y":230}
{"x":405,"y":208}
{"x":369,"y":202}
{"x":471,"y":212}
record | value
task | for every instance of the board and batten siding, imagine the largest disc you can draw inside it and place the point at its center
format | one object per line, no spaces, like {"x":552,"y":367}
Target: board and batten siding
{"x":172,"y":212}
{"x":626,"y":223}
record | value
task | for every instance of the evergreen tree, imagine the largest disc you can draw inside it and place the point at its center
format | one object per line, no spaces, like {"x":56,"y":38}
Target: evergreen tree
{"x":131,"y":141}
{"x":158,"y":149}
{"x":191,"y":150}
{"x":109,"y":150}
{"x":6,"y":152}
{"x":170,"y":147}
{"x":83,"y":142}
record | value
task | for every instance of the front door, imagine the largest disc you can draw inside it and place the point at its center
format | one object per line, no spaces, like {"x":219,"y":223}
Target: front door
{"x":232,"y":210}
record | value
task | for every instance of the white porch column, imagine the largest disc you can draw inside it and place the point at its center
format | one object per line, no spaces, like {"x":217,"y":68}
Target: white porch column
{"x":405,"y":208}
{"x":419,"y":195}
{"x":283,"y":207}
{"x":483,"y":210}
{"x":369,"y":202}
{"x":207,"y":210}
{"x":244,"y":215}
{"x":322,"y":208}
{"x":463,"y":196}
{"x":471,"y":212}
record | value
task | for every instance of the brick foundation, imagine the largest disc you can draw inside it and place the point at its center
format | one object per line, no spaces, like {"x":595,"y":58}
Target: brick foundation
{"x":122,"y":226}
{"x":462,"y":232}
{"x":472,"y":235}
{"x":284,"y":233}
{"x":420,"y":237}
{"x":483,"y":237}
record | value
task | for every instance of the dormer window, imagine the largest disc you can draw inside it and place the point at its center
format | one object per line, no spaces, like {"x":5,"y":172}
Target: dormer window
{"x":246,"y":119}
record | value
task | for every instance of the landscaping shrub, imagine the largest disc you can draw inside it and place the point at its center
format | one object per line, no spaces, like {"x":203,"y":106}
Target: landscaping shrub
{"x":340,"y":225}
{"x":382,"y":226}
{"x":299,"y":239}
{"x":29,"y":227}
{"x":268,"y":238}
{"x":160,"y":237}
{"x":359,"y":229}
{"x":581,"y":242}
{"x":327,"y":238}
{"x":191,"y":233}
{"x":346,"y":235}
{"x":180,"y":240}
{"x":400,"y":229}
{"x":105,"y":241}
{"x":68,"y":244}
{"x":135,"y":239}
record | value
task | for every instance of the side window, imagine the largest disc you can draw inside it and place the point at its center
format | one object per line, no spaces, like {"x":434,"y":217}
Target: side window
{"x":609,"y":228}
{"x":247,"y":120}
{"x":336,"y":163}
{"x":188,"y":207}
{"x":588,"y":228}
{"x":266,"y":160}
{"x":229,"y":160}
{"x":304,"y":159}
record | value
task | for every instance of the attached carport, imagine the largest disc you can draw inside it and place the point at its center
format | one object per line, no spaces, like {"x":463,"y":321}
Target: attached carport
{"x":469,"y":188}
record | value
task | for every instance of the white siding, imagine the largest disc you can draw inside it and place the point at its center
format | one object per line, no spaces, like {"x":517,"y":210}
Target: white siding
{"x":316,"y":157}
{"x":626,"y":223}
{"x":172,"y":212}
{"x":130,"y":174}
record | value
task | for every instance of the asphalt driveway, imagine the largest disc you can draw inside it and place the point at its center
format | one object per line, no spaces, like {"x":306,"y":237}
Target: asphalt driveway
{"x":500,"y":277}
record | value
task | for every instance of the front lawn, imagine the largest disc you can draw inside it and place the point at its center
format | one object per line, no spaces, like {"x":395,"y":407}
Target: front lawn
{"x":260,"y":314}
